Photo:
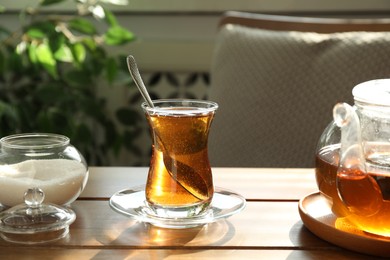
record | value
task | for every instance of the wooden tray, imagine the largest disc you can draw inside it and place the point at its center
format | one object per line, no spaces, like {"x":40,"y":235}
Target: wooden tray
{"x":317,"y":216}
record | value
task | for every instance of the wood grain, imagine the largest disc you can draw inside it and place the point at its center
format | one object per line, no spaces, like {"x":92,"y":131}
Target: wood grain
{"x":268,"y":228}
{"x":252,"y":183}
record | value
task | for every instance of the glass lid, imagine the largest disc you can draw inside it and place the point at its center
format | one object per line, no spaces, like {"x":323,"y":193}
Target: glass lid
{"x":376,"y":92}
{"x":34,"y":221}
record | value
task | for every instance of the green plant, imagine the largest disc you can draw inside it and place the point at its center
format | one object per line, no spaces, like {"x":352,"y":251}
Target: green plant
{"x":50,"y":70}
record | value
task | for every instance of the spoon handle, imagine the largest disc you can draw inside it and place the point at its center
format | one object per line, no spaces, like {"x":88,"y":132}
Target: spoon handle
{"x":134,"y":72}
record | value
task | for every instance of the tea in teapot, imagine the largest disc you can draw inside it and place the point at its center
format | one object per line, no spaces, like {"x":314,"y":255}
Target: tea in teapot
{"x":353,"y":159}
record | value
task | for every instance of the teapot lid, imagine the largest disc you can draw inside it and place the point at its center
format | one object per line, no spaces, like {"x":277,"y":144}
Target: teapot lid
{"x":375,"y":92}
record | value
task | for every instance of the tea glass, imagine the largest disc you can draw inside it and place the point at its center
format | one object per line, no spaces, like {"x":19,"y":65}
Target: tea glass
{"x":179,"y":183}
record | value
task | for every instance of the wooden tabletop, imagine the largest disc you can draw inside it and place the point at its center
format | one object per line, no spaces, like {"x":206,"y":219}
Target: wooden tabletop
{"x":268,"y":228}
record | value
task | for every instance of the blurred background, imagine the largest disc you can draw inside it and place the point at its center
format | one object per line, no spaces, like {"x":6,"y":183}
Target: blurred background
{"x":172,"y":41}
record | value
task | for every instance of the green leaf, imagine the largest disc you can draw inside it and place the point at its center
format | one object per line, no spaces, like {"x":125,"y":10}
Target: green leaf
{"x":110,"y":18}
{"x":54,"y":118}
{"x":128,"y":140}
{"x":8,"y":111}
{"x":64,"y":54}
{"x":41,"y":30}
{"x":32,"y":53}
{"x":50,"y":2}
{"x":78,"y":51}
{"x":15,"y":63}
{"x":36,"y":33}
{"x":111,"y":69}
{"x":83,"y":133}
{"x":67,"y":103}
{"x":92,"y":108}
{"x":118,"y":35}
{"x":83,"y":26}
{"x":2,"y":63}
{"x":45,"y":57}
{"x":50,"y":93}
{"x":77,"y":78}
{"x":56,"y":41}
{"x":90,"y":44}
{"x":111,"y":130}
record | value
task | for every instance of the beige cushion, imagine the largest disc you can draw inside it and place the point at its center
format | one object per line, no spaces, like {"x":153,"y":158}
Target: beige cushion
{"x":276,"y":90}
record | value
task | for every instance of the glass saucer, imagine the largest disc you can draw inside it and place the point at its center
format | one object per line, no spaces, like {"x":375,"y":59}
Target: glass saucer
{"x":131,"y":202}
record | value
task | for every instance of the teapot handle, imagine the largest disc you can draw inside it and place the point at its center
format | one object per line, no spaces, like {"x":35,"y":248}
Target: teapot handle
{"x":357,"y":189}
{"x":351,"y":150}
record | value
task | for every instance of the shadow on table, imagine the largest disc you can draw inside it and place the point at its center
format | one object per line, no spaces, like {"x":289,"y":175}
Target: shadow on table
{"x":313,"y":247}
{"x":145,"y":236}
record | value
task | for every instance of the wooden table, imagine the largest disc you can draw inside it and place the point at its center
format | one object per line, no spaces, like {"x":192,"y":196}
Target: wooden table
{"x":268,"y":228}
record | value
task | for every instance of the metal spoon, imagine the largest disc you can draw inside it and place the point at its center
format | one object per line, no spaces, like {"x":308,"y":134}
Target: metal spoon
{"x":183,"y":174}
{"x":134,"y":72}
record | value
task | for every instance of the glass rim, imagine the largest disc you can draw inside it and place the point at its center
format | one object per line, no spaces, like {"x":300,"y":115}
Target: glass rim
{"x":203,"y":106}
{"x":34,"y":141}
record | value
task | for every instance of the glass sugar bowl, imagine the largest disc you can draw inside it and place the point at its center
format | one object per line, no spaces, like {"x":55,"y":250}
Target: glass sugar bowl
{"x":41,"y":174}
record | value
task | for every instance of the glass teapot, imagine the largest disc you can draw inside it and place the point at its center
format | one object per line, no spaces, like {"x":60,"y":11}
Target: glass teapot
{"x":353,"y":159}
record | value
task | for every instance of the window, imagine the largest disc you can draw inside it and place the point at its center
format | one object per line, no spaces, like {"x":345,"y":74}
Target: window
{"x":179,"y":34}
{"x":244,"y":5}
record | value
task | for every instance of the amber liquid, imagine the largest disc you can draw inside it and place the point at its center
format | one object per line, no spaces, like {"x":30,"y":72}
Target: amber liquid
{"x":179,"y":173}
{"x":366,"y":197}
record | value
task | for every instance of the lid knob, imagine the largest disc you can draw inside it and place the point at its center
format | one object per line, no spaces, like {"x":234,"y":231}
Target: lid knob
{"x":34,"y":197}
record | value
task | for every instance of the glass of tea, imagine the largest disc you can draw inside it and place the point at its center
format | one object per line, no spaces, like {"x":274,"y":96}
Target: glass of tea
{"x":180,"y":182}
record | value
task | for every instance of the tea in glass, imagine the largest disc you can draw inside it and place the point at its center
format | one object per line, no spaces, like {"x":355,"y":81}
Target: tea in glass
{"x":180,"y":180}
